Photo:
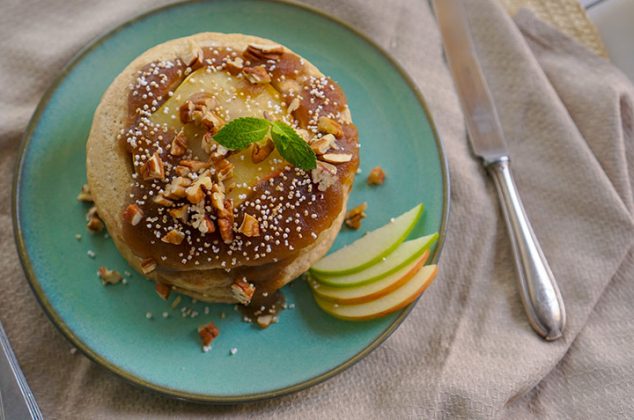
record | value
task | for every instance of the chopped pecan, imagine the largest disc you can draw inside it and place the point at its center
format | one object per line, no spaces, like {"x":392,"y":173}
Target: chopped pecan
{"x":179,"y":144}
{"x":263,"y":52}
{"x":293,"y":106}
{"x":180,"y":213}
{"x":207,"y":333}
{"x":211,"y":121}
{"x":148,"y":265}
{"x":203,"y":223}
{"x":176,"y":188}
{"x":203,"y":101}
{"x":337,"y":157}
{"x":85,"y":194}
{"x":323,"y":144}
{"x":224,"y":169}
{"x":234,"y":65}
{"x":162,"y":201}
{"x":94,"y":222}
{"x":193,"y":55}
{"x":227,"y":212}
{"x":257,"y":75}
{"x":181,"y":170}
{"x":261,"y":152}
{"x":163,"y":290}
{"x":208,"y":143}
{"x":355,"y":216}
{"x":324,"y":175}
{"x":330,"y":126}
{"x":133,"y":214}
{"x":153,"y":168}
{"x":218,"y":199}
{"x":185,"y":112}
{"x":195,"y":165}
{"x":242,"y":291}
{"x":196,"y":192}
{"x":226,"y":230}
{"x":376,"y":176}
{"x":264,"y":321}
{"x":109,"y":276}
{"x":250,"y":226}
{"x":174,"y":237}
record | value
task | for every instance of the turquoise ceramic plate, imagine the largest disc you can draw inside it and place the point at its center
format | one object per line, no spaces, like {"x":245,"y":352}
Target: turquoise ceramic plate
{"x":109,"y":323}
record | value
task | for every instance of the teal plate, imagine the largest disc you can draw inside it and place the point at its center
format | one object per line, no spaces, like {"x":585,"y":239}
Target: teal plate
{"x":109,"y":323}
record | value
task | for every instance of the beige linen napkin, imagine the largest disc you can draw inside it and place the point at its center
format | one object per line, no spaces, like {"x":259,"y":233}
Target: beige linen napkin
{"x":466,"y":351}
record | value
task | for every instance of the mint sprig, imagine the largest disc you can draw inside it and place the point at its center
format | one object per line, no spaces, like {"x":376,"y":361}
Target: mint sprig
{"x":241,"y":132}
{"x":292,"y":147}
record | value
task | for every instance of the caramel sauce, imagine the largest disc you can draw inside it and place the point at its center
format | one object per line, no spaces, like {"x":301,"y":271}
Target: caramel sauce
{"x":291,"y":210}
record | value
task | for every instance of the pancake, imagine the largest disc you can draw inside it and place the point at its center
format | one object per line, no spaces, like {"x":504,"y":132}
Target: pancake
{"x":213,"y":223}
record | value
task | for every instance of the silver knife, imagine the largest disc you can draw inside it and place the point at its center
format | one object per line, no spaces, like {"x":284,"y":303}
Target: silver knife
{"x":538,"y":288}
{"x":16,"y":399}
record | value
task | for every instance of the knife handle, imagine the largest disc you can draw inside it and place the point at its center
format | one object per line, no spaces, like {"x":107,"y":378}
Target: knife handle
{"x":538,"y":288}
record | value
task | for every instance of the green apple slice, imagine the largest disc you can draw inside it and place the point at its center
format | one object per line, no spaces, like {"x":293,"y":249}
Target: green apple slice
{"x":369,"y":249}
{"x":384,"y":305}
{"x":402,"y":256}
{"x":370,"y":291}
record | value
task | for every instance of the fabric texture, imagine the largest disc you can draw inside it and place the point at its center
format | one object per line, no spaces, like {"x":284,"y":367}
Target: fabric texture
{"x":466,"y":350}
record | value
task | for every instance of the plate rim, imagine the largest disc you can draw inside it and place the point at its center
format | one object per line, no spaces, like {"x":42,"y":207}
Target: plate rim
{"x":138,"y":381}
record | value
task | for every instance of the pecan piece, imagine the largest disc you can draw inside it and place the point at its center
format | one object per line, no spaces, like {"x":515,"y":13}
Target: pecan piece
{"x":264,"y":321}
{"x":148,"y":265}
{"x":185,"y":112}
{"x":203,"y":223}
{"x":355,"y":216}
{"x":226,"y":230}
{"x":176,"y":188}
{"x":224,"y":169}
{"x":174,"y":237}
{"x":324,"y":175}
{"x":180,"y":213}
{"x":376,"y":176}
{"x":242,"y":291}
{"x":196,"y":192}
{"x":321,"y":145}
{"x":193,"y":55}
{"x":109,"y":276}
{"x":153,"y":168}
{"x":163,"y":290}
{"x":94,"y":222}
{"x":195,"y":165}
{"x":133,"y":214}
{"x":179,"y":144}
{"x":330,"y":126}
{"x":250,"y":226}
{"x":337,"y":157}
{"x":263,"y":52}
{"x":234,"y":65}
{"x":257,"y":75}
{"x":207,"y":333}
{"x":261,"y":152}
{"x":85,"y":195}
{"x":162,"y":201}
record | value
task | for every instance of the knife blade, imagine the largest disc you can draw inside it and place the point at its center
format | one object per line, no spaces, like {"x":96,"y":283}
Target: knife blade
{"x":16,"y":399}
{"x":539,"y":292}
{"x":483,"y":125}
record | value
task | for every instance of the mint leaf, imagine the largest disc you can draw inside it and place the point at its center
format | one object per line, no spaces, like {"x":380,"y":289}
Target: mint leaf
{"x":241,"y":132}
{"x":292,"y":147}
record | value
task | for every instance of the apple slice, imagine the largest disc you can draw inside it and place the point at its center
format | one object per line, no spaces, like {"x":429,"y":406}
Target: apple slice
{"x":393,"y":301}
{"x":402,"y":256}
{"x":370,"y":291}
{"x":369,"y":249}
